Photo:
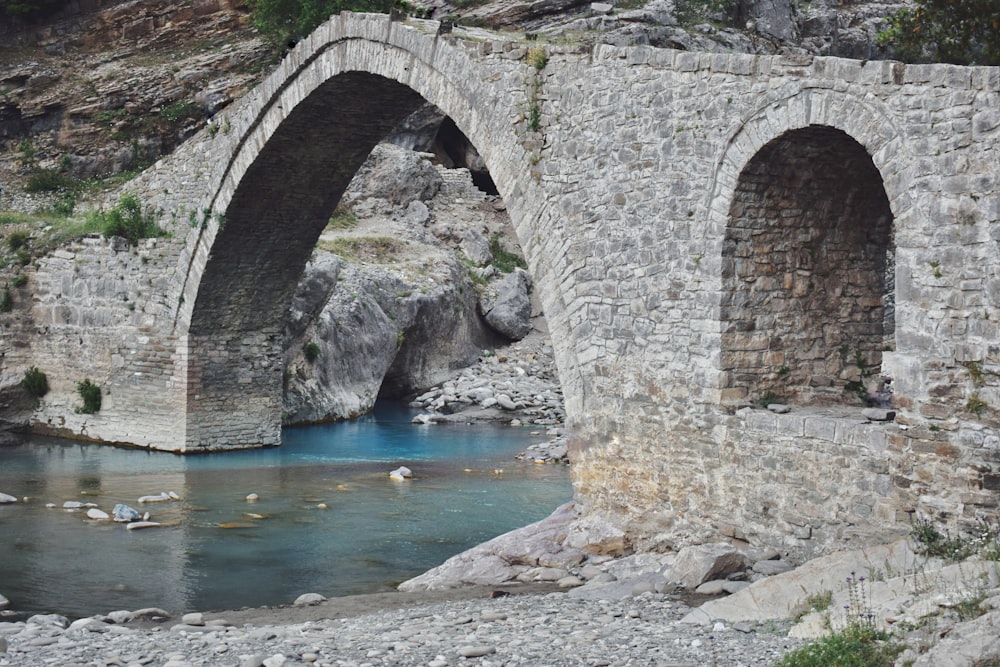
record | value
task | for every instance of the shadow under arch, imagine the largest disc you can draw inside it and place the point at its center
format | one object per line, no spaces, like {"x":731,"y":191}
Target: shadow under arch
{"x":805,"y":204}
{"x":318,"y":121}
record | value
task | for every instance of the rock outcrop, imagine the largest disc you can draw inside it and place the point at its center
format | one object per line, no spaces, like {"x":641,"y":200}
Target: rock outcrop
{"x":387,"y":307}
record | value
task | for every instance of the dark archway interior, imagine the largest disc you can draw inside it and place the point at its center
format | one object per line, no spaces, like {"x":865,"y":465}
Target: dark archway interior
{"x":286,"y":197}
{"x":807,"y":273}
{"x":273,"y":221}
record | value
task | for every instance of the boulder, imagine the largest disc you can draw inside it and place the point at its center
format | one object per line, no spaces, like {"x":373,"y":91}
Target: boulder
{"x":6,"y":499}
{"x":308,"y":600}
{"x":506,"y":305}
{"x":476,"y":247}
{"x":401,"y":473}
{"x":97,"y":515}
{"x":538,"y":547}
{"x":399,"y":176}
{"x":698,"y":564}
{"x":123,"y":513}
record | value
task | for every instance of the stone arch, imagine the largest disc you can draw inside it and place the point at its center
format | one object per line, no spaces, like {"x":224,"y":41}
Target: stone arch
{"x":312,"y":126}
{"x":807,"y":281}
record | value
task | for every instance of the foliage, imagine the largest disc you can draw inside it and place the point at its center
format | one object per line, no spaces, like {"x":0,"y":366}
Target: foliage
{"x":30,"y":7}
{"x":859,"y":644}
{"x":503,"y":259}
{"x":35,"y":382}
{"x":850,"y":647}
{"x":342,"y":218}
{"x":929,"y":540}
{"x":962,"y":32}
{"x":127,"y":220}
{"x":181,"y":110}
{"x":6,"y":301}
{"x":91,"y":395}
{"x":690,"y":12}
{"x":17,"y":240}
{"x":284,"y":22}
{"x":311,"y":351}
{"x":364,"y":248}
{"x":49,"y":180}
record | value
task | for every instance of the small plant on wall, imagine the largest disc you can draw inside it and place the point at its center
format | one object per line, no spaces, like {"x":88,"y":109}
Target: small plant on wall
{"x":91,"y":395}
{"x":311,"y":351}
{"x":35,"y":382}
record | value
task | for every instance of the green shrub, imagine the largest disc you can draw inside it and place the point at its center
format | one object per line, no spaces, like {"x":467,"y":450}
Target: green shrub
{"x":35,"y":382}
{"x":127,"y":220}
{"x":16,"y":240}
{"x":49,"y":180}
{"x":503,"y":259}
{"x":284,"y":22}
{"x":91,"y":395}
{"x":31,"y":7}
{"x":181,"y":110}
{"x":6,"y":301}
{"x":20,"y":280}
{"x":962,"y":32}
{"x":311,"y":351}
{"x":851,"y":647}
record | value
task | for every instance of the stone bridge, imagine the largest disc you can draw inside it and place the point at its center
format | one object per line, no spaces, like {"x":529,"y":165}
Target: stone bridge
{"x":708,"y":233}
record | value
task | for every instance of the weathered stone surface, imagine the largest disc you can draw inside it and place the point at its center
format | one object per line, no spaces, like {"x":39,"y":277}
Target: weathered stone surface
{"x":504,"y":558}
{"x":506,"y":304}
{"x":697,"y":564}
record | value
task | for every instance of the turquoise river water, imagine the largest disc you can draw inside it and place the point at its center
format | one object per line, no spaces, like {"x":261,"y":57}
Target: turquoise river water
{"x":219,"y":551}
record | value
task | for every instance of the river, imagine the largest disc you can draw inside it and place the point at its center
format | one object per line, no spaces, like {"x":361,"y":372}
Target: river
{"x":328,"y":518}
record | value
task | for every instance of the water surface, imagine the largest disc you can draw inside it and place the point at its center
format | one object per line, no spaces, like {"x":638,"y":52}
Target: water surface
{"x":222,"y":552}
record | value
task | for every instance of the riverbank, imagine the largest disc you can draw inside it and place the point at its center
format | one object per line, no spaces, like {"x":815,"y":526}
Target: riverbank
{"x":522,"y":629}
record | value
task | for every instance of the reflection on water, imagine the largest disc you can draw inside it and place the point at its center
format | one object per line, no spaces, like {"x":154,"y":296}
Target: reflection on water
{"x":328,"y":519}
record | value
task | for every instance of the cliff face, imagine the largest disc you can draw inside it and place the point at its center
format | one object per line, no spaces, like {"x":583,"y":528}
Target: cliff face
{"x":110,"y":86}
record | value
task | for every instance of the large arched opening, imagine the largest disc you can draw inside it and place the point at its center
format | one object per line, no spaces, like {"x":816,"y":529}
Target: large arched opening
{"x":807,"y":279}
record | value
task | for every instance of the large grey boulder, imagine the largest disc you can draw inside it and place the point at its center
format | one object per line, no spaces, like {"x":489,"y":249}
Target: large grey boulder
{"x":398,"y":176}
{"x":476,"y":247}
{"x":698,"y":564}
{"x":506,"y":304}
{"x":372,"y":333}
{"x":538,"y":549}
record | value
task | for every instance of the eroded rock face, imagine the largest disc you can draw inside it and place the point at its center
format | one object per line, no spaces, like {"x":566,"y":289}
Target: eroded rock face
{"x":386,"y":307}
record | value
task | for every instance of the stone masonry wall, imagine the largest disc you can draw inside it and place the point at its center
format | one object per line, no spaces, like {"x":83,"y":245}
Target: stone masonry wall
{"x":630,"y":198}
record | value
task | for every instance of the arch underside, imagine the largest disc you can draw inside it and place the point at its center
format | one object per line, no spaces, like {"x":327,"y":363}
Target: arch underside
{"x":807,"y":305}
{"x":270,"y":227}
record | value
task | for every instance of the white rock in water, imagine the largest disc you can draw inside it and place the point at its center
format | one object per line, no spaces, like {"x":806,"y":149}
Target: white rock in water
{"x":4,"y":602}
{"x":72,"y":505}
{"x":5,"y":499}
{"x":94,"y":513}
{"x":173,"y":496}
{"x":401,"y":473}
{"x":162,"y":498}
{"x":308,"y":599}
{"x":50,"y":505}
{"x":252,"y":498}
{"x":139,"y":525}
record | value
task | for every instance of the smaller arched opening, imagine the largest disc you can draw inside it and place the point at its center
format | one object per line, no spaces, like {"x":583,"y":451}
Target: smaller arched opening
{"x":807,"y":306}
